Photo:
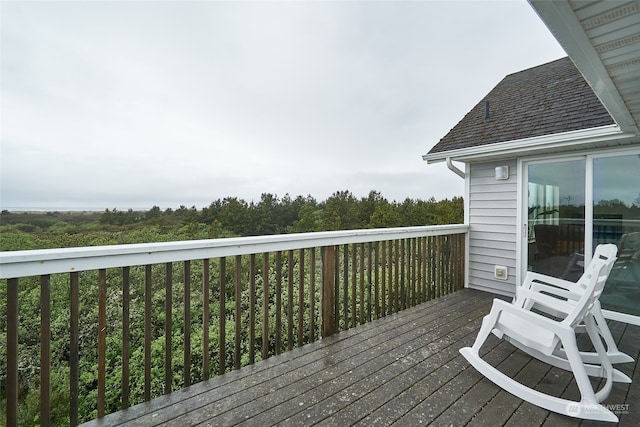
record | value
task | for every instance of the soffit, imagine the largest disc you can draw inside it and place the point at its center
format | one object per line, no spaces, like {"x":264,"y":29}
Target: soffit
{"x":603,"y":40}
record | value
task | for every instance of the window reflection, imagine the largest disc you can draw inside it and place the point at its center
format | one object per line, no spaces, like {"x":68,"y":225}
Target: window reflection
{"x":556,"y":211}
{"x":616,"y":219}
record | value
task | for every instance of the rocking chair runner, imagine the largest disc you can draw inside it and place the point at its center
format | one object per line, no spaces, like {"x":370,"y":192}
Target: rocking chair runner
{"x":543,"y":337}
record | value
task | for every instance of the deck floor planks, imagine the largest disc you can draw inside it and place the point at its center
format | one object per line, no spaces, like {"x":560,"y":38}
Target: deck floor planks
{"x":268,"y":372}
{"x":546,"y":379}
{"x":442,"y":367}
{"x":503,"y":405}
{"x":252,"y":401}
{"x":407,"y":399}
{"x":364,"y":365}
{"x":339,"y":373}
{"x":404,"y":369}
{"x":370,"y":392}
{"x":448,"y":394}
{"x":431,"y":357}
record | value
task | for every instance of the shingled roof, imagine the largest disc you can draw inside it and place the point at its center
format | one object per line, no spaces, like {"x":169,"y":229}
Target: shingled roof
{"x":547,"y":99}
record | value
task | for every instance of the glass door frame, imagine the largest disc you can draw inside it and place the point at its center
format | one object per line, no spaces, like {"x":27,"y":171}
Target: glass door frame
{"x":523,"y":220}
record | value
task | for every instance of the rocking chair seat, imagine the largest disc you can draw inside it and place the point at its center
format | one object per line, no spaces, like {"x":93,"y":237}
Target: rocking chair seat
{"x":539,"y":338}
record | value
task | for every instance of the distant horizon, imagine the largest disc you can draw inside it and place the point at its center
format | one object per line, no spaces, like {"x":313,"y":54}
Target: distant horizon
{"x":29,"y":209}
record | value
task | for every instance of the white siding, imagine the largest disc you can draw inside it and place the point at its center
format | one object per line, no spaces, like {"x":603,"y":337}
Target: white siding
{"x":492,"y":226}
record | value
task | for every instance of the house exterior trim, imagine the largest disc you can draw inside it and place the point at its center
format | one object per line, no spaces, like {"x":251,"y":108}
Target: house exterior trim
{"x":535,"y":145}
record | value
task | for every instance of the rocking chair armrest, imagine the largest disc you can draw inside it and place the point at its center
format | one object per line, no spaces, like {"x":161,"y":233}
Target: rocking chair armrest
{"x":555,"y":304}
{"x":535,"y":318}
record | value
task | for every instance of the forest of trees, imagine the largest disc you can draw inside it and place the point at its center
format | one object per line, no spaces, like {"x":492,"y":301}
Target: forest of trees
{"x":228,"y":217}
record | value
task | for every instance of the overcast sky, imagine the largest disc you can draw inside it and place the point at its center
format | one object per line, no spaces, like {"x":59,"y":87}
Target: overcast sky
{"x":131,"y":104}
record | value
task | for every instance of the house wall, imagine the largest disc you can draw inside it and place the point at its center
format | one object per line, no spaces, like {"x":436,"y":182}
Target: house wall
{"x":492,"y":226}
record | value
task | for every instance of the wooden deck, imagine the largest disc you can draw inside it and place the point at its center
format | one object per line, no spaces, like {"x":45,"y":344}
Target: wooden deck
{"x":402,"y":370}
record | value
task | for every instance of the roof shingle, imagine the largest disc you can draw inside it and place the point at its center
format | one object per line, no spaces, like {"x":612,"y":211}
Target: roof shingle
{"x":547,"y":99}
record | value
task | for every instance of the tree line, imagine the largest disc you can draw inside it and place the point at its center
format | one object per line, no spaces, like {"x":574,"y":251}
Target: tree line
{"x":226,"y":217}
{"x":274,"y":215}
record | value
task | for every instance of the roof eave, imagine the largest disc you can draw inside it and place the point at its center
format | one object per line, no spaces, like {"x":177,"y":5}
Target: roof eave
{"x":531,"y":146}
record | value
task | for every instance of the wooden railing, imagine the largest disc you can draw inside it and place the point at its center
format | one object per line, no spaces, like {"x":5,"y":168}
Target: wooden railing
{"x":131,"y":322}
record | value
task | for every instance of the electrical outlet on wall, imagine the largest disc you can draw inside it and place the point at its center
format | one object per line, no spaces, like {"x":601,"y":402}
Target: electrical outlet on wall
{"x":500,"y":272}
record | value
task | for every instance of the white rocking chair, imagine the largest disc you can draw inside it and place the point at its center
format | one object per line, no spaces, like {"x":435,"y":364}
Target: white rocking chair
{"x":571,"y":293}
{"x":543,"y":337}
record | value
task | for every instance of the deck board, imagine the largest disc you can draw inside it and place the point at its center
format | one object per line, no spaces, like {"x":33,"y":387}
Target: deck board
{"x":404,"y":369}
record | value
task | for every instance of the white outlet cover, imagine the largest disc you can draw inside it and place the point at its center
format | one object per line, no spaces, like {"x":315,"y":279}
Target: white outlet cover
{"x":501,"y":272}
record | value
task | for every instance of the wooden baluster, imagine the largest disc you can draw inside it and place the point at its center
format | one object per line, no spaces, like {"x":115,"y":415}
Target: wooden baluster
{"x":336,"y":286}
{"x":126,"y":336}
{"x":312,"y":293}
{"x":301,"y":299}
{"x":361,"y":287}
{"x":12,"y":352}
{"x":222,"y":348}
{"x":425,"y":267}
{"x":147,"y":333}
{"x":439,"y":269}
{"x":432,"y":268}
{"x":345,"y":286}
{"x":205,"y":319}
{"x":354,"y":284}
{"x":390,"y":305}
{"x":383,"y":298}
{"x":414,"y":273}
{"x":369,"y":281}
{"x":290,"y":263}
{"x":404,"y":289}
{"x":252,"y":309}
{"x":74,"y":348}
{"x":419,"y":270}
{"x":238,"y":313}
{"x":265,"y":305}
{"x":102,"y":339}
{"x":187,"y":323}
{"x":45,"y":349}
{"x":376,"y":288}
{"x":396,"y":285}
{"x":328,"y":291}
{"x":278,"y":301}
{"x":168,"y":306}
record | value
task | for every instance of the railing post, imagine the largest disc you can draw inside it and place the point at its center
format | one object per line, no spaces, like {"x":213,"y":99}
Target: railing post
{"x":328,"y":291}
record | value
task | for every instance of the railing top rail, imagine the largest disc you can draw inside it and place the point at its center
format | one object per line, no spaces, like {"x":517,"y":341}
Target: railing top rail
{"x":16,"y":264}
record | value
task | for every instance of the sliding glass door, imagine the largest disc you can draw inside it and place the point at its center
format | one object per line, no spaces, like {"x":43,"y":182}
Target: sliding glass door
{"x":572,"y":206}
{"x":556,"y":218}
{"x":616,"y":219}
